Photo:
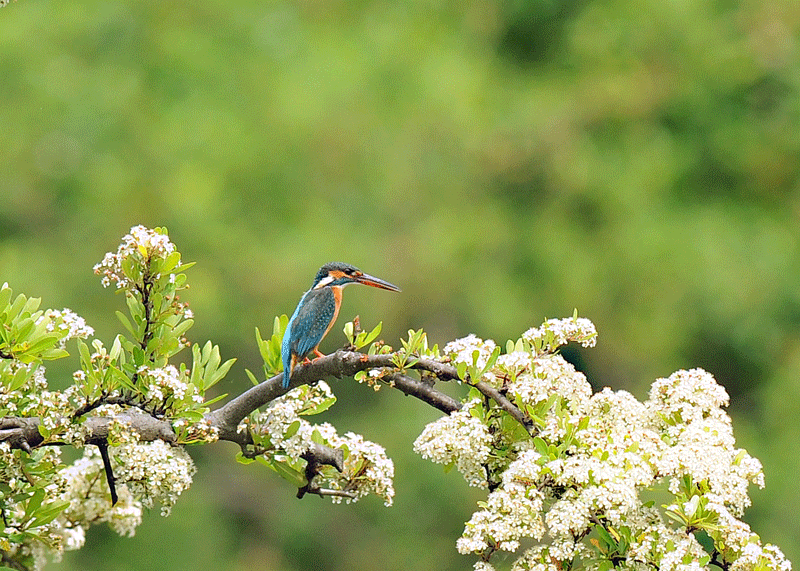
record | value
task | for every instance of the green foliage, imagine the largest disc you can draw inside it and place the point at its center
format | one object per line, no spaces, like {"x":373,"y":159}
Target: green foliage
{"x":136,"y":371}
{"x":207,"y":369}
{"x":412,"y":348}
{"x":26,"y":334}
{"x":360,"y":339}
{"x":271,"y":349}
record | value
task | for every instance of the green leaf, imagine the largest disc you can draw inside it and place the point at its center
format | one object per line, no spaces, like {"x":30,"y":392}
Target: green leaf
{"x":317,"y":437}
{"x":42,"y":344}
{"x":252,"y":377}
{"x":16,"y":307}
{"x":321,"y":407}
{"x":86,"y":358}
{"x":182,"y":327}
{"x":348,"y":332}
{"x":292,"y":430}
{"x":33,"y":503}
{"x":171,"y":262}
{"x":262,"y":346}
{"x":116,"y":349}
{"x":24,"y":328}
{"x":219,"y":374}
{"x":20,"y":377}
{"x":138,"y":356}
{"x":541,"y":446}
{"x":605,"y":536}
{"x":121,"y":378}
{"x":372,"y":335}
{"x":288,"y":473}
{"x":48,"y":513}
{"x":215,"y":399}
{"x":5,"y":297}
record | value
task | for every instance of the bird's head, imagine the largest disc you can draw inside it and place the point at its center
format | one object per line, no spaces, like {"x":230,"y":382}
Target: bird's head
{"x":339,"y":274}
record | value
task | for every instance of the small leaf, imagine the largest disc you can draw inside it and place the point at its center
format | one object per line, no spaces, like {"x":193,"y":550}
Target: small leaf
{"x":20,"y":377}
{"x":252,"y":377}
{"x":5,"y":296}
{"x":321,"y":407}
{"x":373,"y":334}
{"x":290,"y":474}
{"x":33,"y":504}
{"x":292,"y":430}
{"x":219,"y":374}
{"x":182,"y":327}
{"x":48,"y":513}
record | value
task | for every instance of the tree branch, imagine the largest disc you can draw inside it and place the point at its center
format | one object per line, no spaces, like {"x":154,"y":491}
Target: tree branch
{"x":339,"y":364}
{"x":489,"y":391}
{"x":24,"y":432}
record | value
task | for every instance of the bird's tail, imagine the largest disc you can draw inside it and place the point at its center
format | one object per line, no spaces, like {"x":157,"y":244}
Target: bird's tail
{"x":288,"y":360}
{"x":288,"y":365}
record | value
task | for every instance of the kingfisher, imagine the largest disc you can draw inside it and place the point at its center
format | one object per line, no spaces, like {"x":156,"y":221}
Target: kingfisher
{"x":317,"y":311}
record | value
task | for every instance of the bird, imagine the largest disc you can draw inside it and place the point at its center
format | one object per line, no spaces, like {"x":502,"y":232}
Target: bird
{"x":317,"y":312}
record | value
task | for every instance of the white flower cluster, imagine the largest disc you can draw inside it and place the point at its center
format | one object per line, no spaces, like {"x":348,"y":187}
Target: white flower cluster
{"x":557,"y":332}
{"x":33,"y":398}
{"x":154,"y":471}
{"x":24,"y":401}
{"x":167,"y":382}
{"x":464,"y":350}
{"x":512,"y":511}
{"x":552,"y":375}
{"x":367,"y":469}
{"x":193,"y":432}
{"x":685,"y":411}
{"x":459,"y":439}
{"x":587,"y":460}
{"x":141,"y":241}
{"x":281,"y":421}
{"x":83,"y":485}
{"x":69,"y":321}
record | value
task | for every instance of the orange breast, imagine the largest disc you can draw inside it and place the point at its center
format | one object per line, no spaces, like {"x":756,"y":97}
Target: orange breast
{"x":337,"y":296}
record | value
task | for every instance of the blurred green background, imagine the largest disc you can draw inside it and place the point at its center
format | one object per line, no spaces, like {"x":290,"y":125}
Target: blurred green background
{"x":502,"y":162}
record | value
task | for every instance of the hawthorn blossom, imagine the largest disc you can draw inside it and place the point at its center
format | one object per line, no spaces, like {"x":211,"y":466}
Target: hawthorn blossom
{"x":141,"y":242}
{"x":83,"y":486}
{"x":154,"y":472}
{"x":469,"y":350}
{"x":557,"y":332}
{"x":367,"y":469}
{"x":459,"y":439}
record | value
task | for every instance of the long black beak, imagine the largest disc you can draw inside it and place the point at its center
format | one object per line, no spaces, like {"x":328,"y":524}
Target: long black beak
{"x":369,"y":280}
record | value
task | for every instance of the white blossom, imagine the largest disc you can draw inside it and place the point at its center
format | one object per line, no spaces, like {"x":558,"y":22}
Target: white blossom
{"x":513,"y":510}
{"x":557,"y":332}
{"x":154,"y":472}
{"x":142,"y":242}
{"x":83,"y":486}
{"x":470,"y":350}
{"x":69,"y":321}
{"x":367,"y":469}
{"x":459,"y":439}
